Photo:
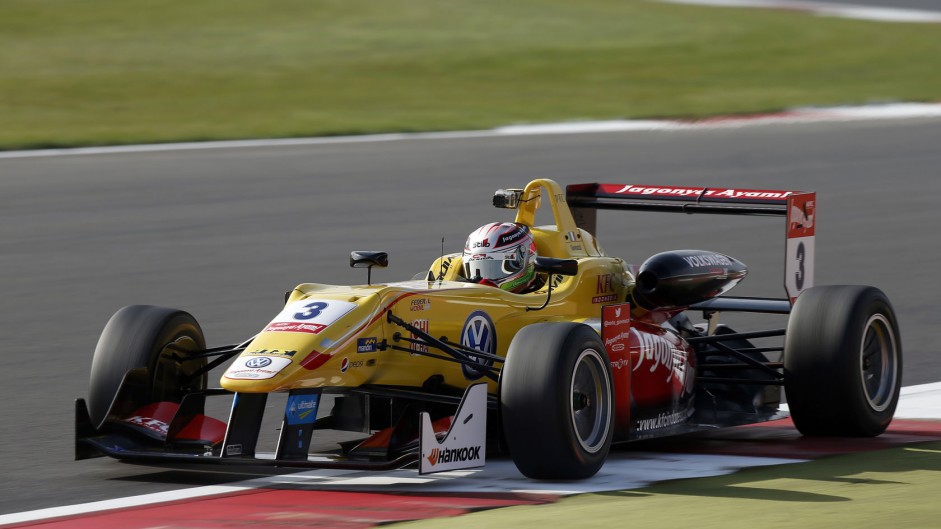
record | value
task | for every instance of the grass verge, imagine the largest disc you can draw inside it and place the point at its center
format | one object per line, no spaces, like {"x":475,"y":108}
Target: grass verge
{"x":898,"y":487}
{"x":111,"y":72}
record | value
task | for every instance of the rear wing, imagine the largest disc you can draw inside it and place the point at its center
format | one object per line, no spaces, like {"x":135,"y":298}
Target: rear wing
{"x":798,"y":208}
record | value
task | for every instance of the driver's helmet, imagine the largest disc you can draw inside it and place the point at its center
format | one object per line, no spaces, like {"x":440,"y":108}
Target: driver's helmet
{"x":502,"y":254}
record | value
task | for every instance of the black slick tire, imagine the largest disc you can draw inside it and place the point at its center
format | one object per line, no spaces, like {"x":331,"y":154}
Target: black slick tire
{"x":557,"y":401}
{"x":842,"y":361}
{"x":138,"y":356}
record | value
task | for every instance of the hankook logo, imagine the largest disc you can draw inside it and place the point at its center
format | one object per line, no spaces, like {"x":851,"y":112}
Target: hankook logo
{"x":478,"y":333}
{"x":453,"y":455}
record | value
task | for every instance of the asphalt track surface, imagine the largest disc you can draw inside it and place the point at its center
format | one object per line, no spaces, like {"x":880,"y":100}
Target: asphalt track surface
{"x":223,"y":233}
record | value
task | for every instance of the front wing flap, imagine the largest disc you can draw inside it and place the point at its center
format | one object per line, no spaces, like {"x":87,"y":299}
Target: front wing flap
{"x":137,"y":439}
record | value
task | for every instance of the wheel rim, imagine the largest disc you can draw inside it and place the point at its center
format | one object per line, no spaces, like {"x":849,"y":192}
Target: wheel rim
{"x":878,"y":362}
{"x":590,"y":402}
{"x":168,"y":373}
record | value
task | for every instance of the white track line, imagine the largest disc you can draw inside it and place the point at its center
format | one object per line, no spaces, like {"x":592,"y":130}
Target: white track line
{"x":121,"y":503}
{"x":874,"y":14}
{"x":802,"y":115}
{"x":621,"y":471}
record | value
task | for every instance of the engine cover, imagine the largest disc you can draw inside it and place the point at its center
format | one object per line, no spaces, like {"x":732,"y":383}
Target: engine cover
{"x":684,"y":277}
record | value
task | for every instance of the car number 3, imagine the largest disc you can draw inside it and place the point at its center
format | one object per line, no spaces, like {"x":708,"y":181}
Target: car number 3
{"x":799,"y":276}
{"x":313,"y":310}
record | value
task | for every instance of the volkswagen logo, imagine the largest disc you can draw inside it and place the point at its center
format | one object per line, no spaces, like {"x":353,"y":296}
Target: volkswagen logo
{"x":478,"y":333}
{"x":258,"y":362}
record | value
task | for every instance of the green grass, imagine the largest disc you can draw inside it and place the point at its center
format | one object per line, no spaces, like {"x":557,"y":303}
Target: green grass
{"x":109,"y":72}
{"x":898,"y":487}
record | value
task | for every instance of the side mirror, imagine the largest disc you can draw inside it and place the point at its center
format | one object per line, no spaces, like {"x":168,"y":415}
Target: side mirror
{"x":367,"y":259}
{"x":551,"y":265}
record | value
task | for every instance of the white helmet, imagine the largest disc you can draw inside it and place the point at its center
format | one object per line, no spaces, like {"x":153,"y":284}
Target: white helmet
{"x":502,"y":253}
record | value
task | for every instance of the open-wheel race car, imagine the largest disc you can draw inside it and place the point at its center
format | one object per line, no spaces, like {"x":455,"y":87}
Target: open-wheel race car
{"x":436,"y":369}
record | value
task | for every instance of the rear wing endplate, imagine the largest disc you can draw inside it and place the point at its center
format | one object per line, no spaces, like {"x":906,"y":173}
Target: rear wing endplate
{"x":798,"y":208}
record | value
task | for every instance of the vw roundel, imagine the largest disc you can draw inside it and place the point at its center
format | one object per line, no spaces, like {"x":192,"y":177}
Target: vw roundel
{"x":478,"y":333}
{"x":258,"y":363}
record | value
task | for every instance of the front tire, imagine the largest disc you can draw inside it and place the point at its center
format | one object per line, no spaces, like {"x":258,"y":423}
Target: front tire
{"x":842,"y":361}
{"x":557,"y":401}
{"x":138,"y":356}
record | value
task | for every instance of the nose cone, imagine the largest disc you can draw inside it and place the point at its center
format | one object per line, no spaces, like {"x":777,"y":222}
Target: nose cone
{"x":302,"y":329}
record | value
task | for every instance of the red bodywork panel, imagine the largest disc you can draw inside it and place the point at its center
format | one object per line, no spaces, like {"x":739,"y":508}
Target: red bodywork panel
{"x":653,"y":372}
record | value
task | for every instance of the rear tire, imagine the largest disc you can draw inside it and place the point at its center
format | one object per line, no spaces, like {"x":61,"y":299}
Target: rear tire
{"x":842,"y":361}
{"x":557,"y":401}
{"x":136,"y":345}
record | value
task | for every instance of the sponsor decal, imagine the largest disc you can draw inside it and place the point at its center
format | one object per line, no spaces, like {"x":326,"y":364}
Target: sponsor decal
{"x":309,"y":315}
{"x":346,"y":364}
{"x":604,"y":288}
{"x":480,"y":244}
{"x":258,"y":363}
{"x":800,"y":218}
{"x":616,"y":342}
{"x":663,"y":420}
{"x":616,"y":332}
{"x":658,"y":352}
{"x":367,"y":345}
{"x":419,"y":305}
{"x":707,"y":260}
{"x":620,"y":363}
{"x":478,"y":333}
{"x":256,"y":367}
{"x":272,"y":352}
{"x":288,"y":326}
{"x":149,"y":423}
{"x":616,"y":315}
{"x":453,"y":455}
{"x":421,"y":325}
{"x":694,"y":192}
{"x":301,"y":409}
{"x":233,"y":450}
{"x":510,"y":238}
{"x":445,"y":266}
{"x":371,"y":362}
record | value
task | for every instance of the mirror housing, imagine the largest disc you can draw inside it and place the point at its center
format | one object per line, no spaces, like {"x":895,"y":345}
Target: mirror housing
{"x":551,"y":265}
{"x":367,"y":260}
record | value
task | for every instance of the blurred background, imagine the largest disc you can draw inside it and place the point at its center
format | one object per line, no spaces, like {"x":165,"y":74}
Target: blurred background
{"x":114,"y":72}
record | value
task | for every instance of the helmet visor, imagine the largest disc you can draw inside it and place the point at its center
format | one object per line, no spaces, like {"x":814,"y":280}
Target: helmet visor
{"x":493,"y":268}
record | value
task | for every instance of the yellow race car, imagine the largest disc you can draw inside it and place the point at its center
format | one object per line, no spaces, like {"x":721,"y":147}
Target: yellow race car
{"x":532,"y":341}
